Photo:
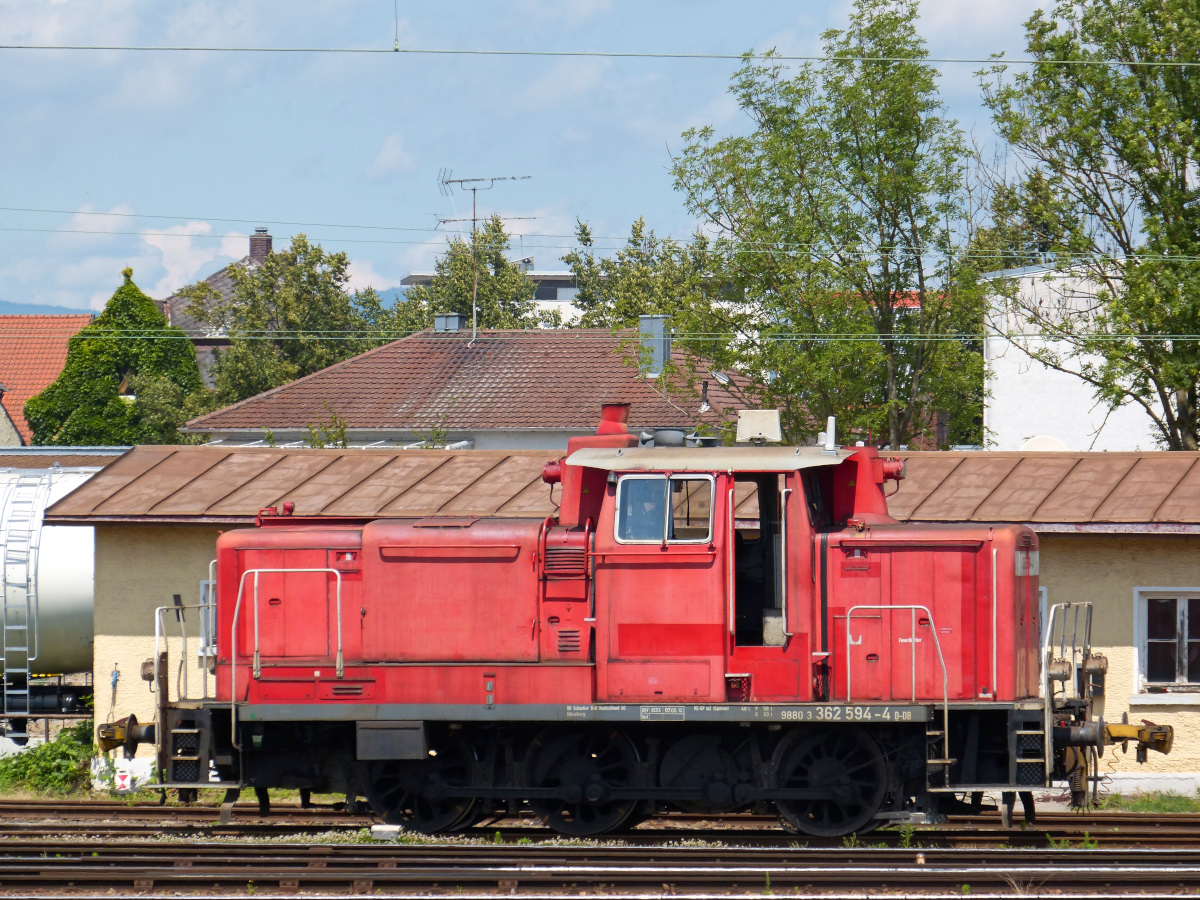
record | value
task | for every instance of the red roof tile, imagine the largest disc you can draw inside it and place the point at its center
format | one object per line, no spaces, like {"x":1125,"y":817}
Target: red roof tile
{"x":502,"y":380}
{"x":33,"y":350}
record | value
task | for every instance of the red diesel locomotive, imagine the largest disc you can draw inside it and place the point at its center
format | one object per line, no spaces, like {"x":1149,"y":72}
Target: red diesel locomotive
{"x":705,"y":629}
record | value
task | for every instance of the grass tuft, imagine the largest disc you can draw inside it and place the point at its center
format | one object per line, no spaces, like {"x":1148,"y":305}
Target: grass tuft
{"x":1153,"y":802}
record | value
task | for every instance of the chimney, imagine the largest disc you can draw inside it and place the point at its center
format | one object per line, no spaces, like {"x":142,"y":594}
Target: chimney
{"x":260,"y":245}
{"x":656,"y":344}
{"x":444,"y":321}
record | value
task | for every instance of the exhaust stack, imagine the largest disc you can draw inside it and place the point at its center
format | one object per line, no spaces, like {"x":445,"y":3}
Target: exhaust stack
{"x":582,"y":488}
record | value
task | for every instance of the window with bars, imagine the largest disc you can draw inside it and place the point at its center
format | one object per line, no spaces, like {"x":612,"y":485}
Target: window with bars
{"x":1171,"y":643}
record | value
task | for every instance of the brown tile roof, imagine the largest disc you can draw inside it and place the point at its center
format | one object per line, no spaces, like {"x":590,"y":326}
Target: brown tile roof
{"x":1135,"y":492}
{"x":33,"y":350}
{"x":503,"y":380}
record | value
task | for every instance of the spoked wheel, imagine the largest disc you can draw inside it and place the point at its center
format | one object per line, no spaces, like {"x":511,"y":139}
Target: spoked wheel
{"x":420,"y":794}
{"x":848,"y":765}
{"x":583,"y":768}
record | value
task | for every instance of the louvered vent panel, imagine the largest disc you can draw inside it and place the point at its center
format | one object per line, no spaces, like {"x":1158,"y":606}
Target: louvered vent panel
{"x":346,"y":690}
{"x":568,"y":641}
{"x":565,"y":560}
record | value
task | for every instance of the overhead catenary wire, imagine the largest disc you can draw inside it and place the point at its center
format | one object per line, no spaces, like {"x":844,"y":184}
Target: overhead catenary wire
{"x":603,"y":54}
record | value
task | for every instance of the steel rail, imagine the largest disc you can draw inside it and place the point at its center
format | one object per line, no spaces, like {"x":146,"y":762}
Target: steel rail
{"x":673,"y":870}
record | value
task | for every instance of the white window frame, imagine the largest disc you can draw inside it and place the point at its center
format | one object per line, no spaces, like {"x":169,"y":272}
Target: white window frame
{"x":1186,"y":693}
{"x":670,"y":510}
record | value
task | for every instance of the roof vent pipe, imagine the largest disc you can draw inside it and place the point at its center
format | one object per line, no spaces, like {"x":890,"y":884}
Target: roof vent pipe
{"x":655,"y":344}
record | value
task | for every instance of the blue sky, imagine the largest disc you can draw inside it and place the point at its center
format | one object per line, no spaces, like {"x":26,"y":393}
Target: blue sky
{"x":337,"y":140}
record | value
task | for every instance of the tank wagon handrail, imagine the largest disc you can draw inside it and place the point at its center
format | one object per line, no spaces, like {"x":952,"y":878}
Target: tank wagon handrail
{"x":237,"y":611}
{"x":937,"y":644}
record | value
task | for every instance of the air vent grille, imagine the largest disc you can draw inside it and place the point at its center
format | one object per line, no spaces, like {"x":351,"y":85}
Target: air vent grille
{"x":568,"y":640}
{"x":565,"y":560}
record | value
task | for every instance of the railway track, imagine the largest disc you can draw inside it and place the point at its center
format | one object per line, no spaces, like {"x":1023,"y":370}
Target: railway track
{"x":50,"y":820}
{"x":52,"y":849}
{"x":32,"y":869}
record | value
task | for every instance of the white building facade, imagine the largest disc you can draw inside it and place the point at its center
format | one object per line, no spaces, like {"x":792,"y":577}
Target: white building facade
{"x":1027,"y":399}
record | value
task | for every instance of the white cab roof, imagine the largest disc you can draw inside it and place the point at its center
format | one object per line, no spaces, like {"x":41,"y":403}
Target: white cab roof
{"x":706,"y":459}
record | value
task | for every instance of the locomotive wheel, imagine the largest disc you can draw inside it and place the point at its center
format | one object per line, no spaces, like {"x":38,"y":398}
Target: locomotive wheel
{"x":583,"y":768}
{"x":699,"y":763}
{"x":414,"y":793}
{"x":847,"y":763}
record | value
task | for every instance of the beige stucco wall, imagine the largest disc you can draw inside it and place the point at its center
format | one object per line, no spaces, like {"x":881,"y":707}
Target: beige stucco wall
{"x":9,"y":436}
{"x":138,"y":568}
{"x":1107,"y":571}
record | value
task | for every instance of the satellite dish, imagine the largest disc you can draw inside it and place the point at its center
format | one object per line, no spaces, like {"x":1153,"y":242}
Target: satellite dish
{"x":1044,"y":442}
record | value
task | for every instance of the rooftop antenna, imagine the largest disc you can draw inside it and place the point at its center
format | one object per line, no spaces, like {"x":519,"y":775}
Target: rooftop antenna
{"x":474,"y":185}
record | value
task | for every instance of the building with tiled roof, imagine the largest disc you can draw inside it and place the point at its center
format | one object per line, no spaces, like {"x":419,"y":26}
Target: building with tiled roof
{"x":33,"y":351}
{"x":205,"y":337}
{"x":503,"y":390}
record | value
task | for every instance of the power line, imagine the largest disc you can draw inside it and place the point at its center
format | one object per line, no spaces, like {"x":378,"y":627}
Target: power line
{"x":623,"y":240}
{"x":752,"y":247}
{"x":80,"y":212}
{"x":94,"y":333}
{"x":604,"y":54}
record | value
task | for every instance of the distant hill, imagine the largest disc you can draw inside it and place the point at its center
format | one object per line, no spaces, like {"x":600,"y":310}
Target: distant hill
{"x":38,"y":309}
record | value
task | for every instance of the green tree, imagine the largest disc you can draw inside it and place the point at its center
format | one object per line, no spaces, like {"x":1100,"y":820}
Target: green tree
{"x":1115,"y":142}
{"x":288,"y":318}
{"x":479,"y":267}
{"x":648,"y":276}
{"x":1028,"y":225}
{"x":92,"y":402}
{"x":841,"y":218}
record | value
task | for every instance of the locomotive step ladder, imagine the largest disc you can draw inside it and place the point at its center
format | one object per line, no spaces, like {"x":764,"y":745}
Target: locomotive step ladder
{"x":185,"y":756}
{"x":937,"y":755}
{"x":1028,"y":754}
{"x":20,"y":538}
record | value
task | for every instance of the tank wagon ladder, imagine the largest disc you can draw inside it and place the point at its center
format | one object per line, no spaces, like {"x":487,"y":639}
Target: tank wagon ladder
{"x":20,"y":536}
{"x":937,"y":740}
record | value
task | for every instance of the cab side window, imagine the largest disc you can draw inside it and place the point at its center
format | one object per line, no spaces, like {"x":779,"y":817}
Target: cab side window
{"x":654,"y":509}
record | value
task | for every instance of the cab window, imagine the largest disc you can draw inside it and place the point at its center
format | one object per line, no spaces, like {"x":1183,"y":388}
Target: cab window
{"x":652,"y":509}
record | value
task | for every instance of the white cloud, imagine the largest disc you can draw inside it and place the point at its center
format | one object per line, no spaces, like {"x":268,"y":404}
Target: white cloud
{"x":568,"y":79}
{"x":362,"y":275}
{"x":422,"y":257}
{"x":391,"y":158}
{"x":92,"y":228}
{"x":572,"y":14}
{"x":188,"y":254}
{"x":978,"y":28}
